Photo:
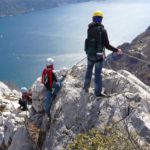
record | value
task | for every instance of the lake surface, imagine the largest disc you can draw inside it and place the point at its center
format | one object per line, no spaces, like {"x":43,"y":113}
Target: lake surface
{"x":27,"y":40}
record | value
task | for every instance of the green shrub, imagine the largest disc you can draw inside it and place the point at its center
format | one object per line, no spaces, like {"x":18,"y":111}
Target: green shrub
{"x":112,"y":139}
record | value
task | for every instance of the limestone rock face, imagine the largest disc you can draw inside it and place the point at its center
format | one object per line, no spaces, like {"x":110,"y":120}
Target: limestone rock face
{"x":38,"y":91}
{"x":75,"y":111}
{"x":21,"y":140}
{"x":5,"y":92}
{"x":11,"y":118}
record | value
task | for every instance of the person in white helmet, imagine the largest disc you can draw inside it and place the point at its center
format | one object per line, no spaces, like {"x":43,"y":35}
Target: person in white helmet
{"x":51,"y":83}
{"x":26,"y":98}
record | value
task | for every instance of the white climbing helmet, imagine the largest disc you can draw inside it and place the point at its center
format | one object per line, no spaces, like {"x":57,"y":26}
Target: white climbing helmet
{"x":49,"y":61}
{"x":24,"y":90}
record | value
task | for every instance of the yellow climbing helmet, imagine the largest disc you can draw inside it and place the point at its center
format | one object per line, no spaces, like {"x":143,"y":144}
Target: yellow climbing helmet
{"x":98,"y":14}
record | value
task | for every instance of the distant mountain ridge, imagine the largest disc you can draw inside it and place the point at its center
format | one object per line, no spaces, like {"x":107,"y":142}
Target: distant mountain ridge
{"x":13,"y":7}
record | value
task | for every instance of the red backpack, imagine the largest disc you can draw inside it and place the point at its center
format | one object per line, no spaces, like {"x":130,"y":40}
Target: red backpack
{"x":47,"y":77}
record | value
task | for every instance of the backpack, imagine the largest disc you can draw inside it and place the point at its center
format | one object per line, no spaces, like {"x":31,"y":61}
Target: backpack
{"x":93,"y":42}
{"x":47,"y":80}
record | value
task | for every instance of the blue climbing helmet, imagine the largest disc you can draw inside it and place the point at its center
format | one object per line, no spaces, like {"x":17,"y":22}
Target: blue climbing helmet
{"x":24,"y":90}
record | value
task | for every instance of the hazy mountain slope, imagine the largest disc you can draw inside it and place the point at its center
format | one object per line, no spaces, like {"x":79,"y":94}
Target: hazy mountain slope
{"x":12,"y":7}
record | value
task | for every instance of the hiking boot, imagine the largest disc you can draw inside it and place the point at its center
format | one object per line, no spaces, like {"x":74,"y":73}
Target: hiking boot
{"x":86,"y":90}
{"x":48,"y":116}
{"x":24,"y":109}
{"x":102,"y":95}
{"x":54,"y":96}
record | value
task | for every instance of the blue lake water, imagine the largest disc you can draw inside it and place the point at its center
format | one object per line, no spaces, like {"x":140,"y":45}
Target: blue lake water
{"x":27,"y":40}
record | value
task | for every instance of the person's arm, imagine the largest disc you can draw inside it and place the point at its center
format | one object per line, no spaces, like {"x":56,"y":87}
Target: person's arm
{"x":55,"y":79}
{"x":42,"y":78}
{"x":106,"y":43}
{"x":29,"y":97}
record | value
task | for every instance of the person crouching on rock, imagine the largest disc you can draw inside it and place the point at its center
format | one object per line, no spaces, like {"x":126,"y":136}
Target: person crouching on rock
{"x":51,"y":83}
{"x":26,"y":98}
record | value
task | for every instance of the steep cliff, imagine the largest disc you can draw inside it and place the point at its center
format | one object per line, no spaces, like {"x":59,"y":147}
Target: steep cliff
{"x":136,"y":58}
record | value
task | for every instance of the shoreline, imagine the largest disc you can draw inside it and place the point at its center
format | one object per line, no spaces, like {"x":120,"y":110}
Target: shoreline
{"x":39,"y":9}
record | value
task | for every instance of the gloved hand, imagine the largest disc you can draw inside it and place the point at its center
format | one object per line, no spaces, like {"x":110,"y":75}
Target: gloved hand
{"x":119,"y":52}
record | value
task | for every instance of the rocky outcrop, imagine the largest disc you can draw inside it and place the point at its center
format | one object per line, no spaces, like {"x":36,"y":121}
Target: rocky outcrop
{"x":21,"y":140}
{"x":6,"y":92}
{"x":75,"y":111}
{"x":138,"y":48}
{"x":38,"y":91}
{"x":11,"y":118}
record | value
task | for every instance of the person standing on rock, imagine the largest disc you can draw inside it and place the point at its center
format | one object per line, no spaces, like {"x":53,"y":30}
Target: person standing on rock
{"x":51,"y":83}
{"x":95,"y":44}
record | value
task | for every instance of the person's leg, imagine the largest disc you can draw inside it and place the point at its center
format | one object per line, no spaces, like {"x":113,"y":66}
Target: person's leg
{"x":56,"y":87}
{"x":47,"y":101}
{"x":24,"y":105}
{"x":88,"y":75}
{"x":20,"y":102}
{"x":98,"y":78}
